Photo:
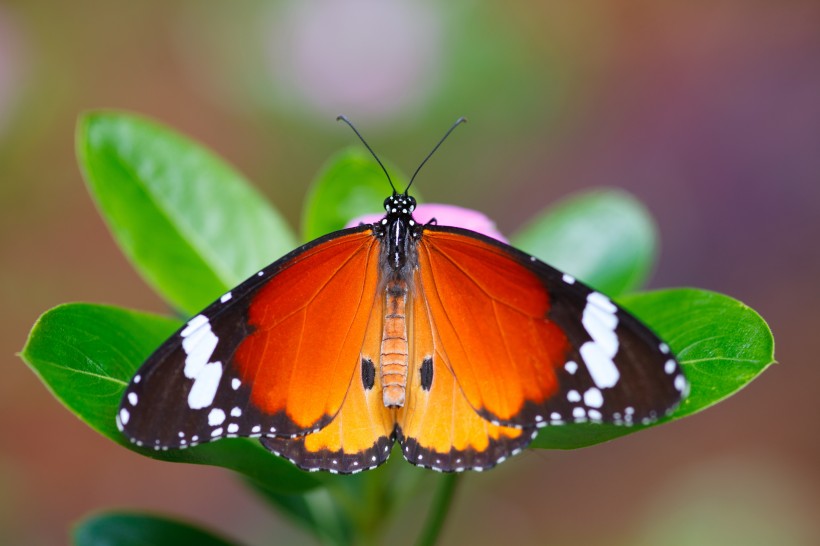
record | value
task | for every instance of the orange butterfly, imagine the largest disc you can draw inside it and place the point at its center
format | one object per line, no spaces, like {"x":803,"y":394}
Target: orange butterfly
{"x":454,"y":344}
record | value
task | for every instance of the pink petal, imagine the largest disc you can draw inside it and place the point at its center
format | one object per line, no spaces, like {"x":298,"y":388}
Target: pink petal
{"x":445,"y":215}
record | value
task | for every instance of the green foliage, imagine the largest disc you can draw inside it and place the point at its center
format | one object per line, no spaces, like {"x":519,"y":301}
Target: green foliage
{"x":605,"y":237}
{"x":194,"y":229}
{"x":188,"y":222}
{"x":130,"y":529}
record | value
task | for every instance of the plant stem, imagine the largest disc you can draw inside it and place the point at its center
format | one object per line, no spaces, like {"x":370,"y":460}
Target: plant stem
{"x":439,"y":510}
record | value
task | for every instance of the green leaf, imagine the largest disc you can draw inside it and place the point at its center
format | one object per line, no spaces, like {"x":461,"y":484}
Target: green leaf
{"x":721,"y":344}
{"x":190,"y":224}
{"x":135,"y":529}
{"x":350,"y":184}
{"x":317,"y":512}
{"x":605,"y":238}
{"x":86,"y":355}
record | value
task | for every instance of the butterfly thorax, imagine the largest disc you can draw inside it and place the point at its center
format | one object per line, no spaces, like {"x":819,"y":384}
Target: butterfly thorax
{"x":399,"y":232}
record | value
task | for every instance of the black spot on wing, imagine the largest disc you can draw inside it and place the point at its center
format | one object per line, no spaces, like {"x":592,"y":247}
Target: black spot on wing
{"x":368,"y":374}
{"x":427,"y":373}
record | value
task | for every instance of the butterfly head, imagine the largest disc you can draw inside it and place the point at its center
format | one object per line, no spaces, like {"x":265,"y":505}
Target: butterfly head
{"x":399,"y":205}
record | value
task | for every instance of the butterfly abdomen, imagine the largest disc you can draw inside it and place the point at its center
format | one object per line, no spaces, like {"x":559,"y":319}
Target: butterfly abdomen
{"x":394,"y":346}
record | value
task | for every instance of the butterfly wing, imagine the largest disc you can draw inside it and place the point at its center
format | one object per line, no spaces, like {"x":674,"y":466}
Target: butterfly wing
{"x":275,"y":356}
{"x":529,"y":346}
{"x":438,"y":428}
{"x":362,"y":433}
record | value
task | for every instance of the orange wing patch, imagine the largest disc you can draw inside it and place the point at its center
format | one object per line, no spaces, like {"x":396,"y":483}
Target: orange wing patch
{"x":438,"y":428}
{"x":308,"y":324}
{"x":481,"y":355}
{"x":488,"y":313}
{"x":360,"y":436}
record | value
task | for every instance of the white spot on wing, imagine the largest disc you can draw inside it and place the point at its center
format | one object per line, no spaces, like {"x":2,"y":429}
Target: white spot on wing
{"x":601,"y":367}
{"x":205,"y":385}
{"x":193,"y":324}
{"x":226,"y":297}
{"x":132,"y":398}
{"x":216,"y":417}
{"x":571,"y":367}
{"x":124,"y":416}
{"x":602,"y":301}
{"x":198,"y":343}
{"x":593,"y":398}
{"x":569,"y":279}
{"x":600,"y":320}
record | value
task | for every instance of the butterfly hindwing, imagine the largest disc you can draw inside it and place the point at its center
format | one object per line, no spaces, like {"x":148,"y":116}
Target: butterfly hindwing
{"x":247,"y":365}
{"x":438,"y":428}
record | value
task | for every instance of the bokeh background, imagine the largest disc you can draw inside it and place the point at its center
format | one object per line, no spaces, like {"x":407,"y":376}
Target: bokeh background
{"x":709,"y":112}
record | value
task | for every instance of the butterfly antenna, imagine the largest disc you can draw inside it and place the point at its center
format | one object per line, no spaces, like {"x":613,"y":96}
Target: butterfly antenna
{"x":458,"y":122}
{"x":366,"y":145}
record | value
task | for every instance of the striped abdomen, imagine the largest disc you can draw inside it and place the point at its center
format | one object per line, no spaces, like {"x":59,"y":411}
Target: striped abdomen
{"x":394,"y":345}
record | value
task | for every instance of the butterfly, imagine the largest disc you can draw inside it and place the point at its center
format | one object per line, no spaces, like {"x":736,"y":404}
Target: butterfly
{"x":452,"y":344}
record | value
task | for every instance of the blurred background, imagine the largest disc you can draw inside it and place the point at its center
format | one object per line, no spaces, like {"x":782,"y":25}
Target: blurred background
{"x":709,"y":112}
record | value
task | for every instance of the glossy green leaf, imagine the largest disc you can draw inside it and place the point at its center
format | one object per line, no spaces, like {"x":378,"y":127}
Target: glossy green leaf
{"x":605,"y":238}
{"x":349,"y":185}
{"x":86,"y":355}
{"x":190,"y":224}
{"x":721,"y":344}
{"x":135,"y":529}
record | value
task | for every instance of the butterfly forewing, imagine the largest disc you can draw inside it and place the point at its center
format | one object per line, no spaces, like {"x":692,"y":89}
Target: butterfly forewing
{"x":617,"y":370}
{"x":272,"y":357}
{"x":530,"y":346}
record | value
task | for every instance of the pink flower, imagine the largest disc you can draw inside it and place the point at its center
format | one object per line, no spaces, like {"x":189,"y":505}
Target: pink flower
{"x":445,"y":215}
